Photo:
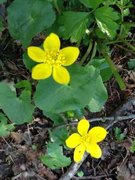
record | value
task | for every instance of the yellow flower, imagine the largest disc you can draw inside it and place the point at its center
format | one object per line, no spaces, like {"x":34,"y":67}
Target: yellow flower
{"x":86,"y":140}
{"x":51,"y":60}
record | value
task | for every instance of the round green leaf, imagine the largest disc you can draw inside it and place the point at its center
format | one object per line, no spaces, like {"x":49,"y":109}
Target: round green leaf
{"x":18,"y":109}
{"x":28,"y":18}
{"x":86,"y":84}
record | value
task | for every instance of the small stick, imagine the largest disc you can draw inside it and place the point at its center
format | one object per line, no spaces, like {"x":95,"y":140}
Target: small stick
{"x":119,"y":118}
{"x":92,"y":177}
{"x":73,"y":169}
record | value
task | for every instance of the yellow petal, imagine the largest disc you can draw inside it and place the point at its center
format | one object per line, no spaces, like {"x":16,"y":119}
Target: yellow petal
{"x":73,"y":140}
{"x":52,"y":42}
{"x":83,"y":126}
{"x":79,"y":152}
{"x":41,"y":71}
{"x":97,"y":134}
{"x":61,"y":75}
{"x":94,"y":150}
{"x":71,"y":54}
{"x":36,"y":54}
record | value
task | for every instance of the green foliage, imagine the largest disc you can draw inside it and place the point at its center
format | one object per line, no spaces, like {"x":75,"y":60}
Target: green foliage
{"x":18,"y":109}
{"x":58,"y":135}
{"x":55,"y":158}
{"x":57,"y":118}
{"x":91,"y":3}
{"x":24,"y":84}
{"x":5,"y":128}
{"x":28,"y":18}
{"x":80,"y":173}
{"x":77,"y":21}
{"x":118,"y":134}
{"x":104,"y":68}
{"x":123,"y":3}
{"x":132,"y":148}
{"x":50,"y":96}
{"x":1,"y":24}
{"x":28,"y":62}
{"x":82,"y":22}
{"x":109,"y":2}
{"x":70,"y":114}
{"x":2,"y":1}
{"x":131,"y":64}
{"x":106,"y":19}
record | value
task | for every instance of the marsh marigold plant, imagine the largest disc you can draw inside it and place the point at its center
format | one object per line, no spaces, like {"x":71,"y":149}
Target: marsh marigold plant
{"x":52,"y":60}
{"x":86,"y":140}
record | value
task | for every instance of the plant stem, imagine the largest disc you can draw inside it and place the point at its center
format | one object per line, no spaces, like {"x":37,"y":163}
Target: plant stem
{"x":114,"y":70}
{"x":87,"y":53}
{"x":125,"y":48}
{"x":93,"y":53}
{"x":57,"y":7}
{"x":128,"y":44}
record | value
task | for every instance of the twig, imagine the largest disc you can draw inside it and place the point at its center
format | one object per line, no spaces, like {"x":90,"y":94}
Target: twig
{"x":6,"y":142}
{"x":91,"y":177}
{"x":39,"y":177}
{"x":119,"y":118}
{"x":73,"y":169}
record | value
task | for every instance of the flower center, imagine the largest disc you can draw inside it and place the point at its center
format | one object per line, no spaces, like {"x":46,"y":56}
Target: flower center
{"x":85,"y":140}
{"x":54,"y":58}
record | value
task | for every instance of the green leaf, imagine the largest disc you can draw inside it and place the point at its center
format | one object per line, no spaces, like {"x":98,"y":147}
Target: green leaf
{"x":24,"y":84}
{"x":59,"y":135}
{"x":123,"y":3}
{"x":53,"y":97}
{"x":131,"y":64}
{"x":2,"y":1}
{"x":80,"y":174}
{"x":99,"y":97}
{"x":109,"y":2}
{"x":28,"y":18}
{"x":1,"y":24}
{"x":132,"y":147}
{"x":57,"y":118}
{"x":55,"y":158}
{"x":91,"y":3}
{"x":104,"y":68}
{"x":118,"y":134}
{"x":5,"y":128}
{"x":28,"y":62}
{"x":77,"y":21}
{"x":106,"y":19}
{"x":18,"y":109}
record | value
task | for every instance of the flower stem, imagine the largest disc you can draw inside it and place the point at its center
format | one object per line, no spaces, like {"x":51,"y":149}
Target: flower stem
{"x":87,"y":53}
{"x":128,"y":45}
{"x":114,"y":70}
{"x":57,"y":7}
{"x":129,"y":50}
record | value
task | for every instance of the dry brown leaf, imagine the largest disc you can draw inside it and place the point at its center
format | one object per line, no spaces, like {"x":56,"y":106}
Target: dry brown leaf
{"x":18,"y":137}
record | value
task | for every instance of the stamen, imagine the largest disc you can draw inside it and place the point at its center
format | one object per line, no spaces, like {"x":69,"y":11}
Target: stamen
{"x":54,"y":58}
